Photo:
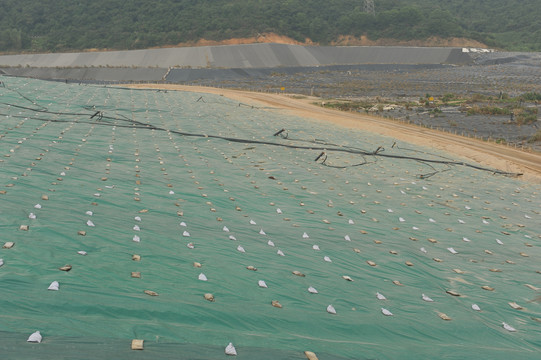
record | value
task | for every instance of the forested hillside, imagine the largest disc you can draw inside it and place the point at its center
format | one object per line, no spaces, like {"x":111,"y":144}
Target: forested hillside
{"x":63,"y":25}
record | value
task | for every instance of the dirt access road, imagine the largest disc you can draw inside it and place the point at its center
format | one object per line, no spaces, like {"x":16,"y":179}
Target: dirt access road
{"x":492,"y":155}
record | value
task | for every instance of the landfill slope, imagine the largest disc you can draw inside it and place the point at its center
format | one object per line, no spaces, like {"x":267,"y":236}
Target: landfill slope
{"x":177,"y":218}
{"x":91,"y":74}
{"x":242,"y":56}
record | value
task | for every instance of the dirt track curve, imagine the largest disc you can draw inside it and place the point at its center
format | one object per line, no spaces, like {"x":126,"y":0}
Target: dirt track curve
{"x":493,"y":155}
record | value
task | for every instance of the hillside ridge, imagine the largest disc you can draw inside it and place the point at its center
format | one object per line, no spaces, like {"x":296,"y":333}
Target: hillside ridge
{"x":65,"y":25}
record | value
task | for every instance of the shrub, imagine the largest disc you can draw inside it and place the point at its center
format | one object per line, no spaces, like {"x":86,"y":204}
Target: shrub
{"x":526,"y":115}
{"x":536,"y":137}
{"x":448,"y":97}
{"x":477,"y":98}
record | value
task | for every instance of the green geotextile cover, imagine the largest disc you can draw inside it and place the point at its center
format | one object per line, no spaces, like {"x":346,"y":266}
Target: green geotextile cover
{"x":180,"y":178}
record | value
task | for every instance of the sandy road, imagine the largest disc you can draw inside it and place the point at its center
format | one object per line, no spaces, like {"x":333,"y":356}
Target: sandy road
{"x":487,"y":154}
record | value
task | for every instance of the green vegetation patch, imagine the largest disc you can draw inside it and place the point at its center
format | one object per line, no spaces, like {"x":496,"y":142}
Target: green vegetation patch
{"x":488,"y":110}
{"x":531,"y":96}
{"x":349,"y":106}
{"x":526,"y":115}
